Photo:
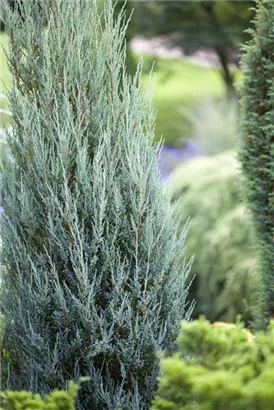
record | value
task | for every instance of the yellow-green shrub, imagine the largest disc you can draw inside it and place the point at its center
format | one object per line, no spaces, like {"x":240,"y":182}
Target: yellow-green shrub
{"x":24,"y":400}
{"x":218,"y":368}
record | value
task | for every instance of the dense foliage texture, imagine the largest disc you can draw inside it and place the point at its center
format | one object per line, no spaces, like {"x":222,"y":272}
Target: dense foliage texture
{"x":23,"y":400}
{"x":258,"y":137}
{"x":219,"y":366}
{"x":221,"y":237}
{"x":90,"y":277}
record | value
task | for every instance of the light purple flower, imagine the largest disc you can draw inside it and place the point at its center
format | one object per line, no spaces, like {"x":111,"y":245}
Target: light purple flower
{"x":171,"y":157}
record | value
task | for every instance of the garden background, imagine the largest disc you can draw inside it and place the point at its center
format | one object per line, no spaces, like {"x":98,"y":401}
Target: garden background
{"x":84,"y":182}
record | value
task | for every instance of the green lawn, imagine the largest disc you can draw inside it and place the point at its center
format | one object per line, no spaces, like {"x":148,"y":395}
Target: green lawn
{"x":178,"y":85}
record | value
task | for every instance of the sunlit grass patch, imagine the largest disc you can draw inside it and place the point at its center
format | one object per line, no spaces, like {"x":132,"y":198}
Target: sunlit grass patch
{"x":180,"y":84}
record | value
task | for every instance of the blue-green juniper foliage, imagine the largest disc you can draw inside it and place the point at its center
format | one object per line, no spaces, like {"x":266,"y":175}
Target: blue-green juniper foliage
{"x":90,"y":277}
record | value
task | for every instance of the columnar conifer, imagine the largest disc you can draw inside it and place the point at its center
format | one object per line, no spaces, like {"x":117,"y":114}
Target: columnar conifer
{"x":90,"y":278}
{"x":258,"y":137}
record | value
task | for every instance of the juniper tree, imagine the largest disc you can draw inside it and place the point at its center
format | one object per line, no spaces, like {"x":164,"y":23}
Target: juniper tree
{"x":90,"y":278}
{"x":258,"y":143}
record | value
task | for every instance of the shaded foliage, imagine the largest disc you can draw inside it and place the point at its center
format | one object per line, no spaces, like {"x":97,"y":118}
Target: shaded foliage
{"x":258,"y":139}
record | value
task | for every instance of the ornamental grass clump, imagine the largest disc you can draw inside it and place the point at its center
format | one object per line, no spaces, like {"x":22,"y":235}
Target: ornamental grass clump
{"x":90,"y":278}
{"x":258,"y":143}
{"x":226,"y":281}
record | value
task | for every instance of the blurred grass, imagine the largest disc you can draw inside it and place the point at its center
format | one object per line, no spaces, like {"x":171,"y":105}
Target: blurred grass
{"x":214,"y":125}
{"x":178,"y":84}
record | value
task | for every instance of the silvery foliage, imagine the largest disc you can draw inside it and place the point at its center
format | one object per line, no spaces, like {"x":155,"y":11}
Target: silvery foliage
{"x":3,"y":132}
{"x":91,"y":284}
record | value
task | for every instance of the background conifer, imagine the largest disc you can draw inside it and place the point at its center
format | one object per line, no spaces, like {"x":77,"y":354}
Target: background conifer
{"x":90,"y":278}
{"x":258,"y":138}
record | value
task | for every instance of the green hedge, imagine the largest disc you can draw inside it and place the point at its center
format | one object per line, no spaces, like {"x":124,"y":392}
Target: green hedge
{"x":218,"y":368}
{"x":257,"y":130}
{"x":220,"y":236}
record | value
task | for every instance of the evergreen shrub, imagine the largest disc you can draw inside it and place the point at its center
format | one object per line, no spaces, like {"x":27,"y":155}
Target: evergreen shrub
{"x":258,"y":143}
{"x":221,"y":237}
{"x":91,"y":282}
{"x":217,"y":367}
{"x":23,"y":400}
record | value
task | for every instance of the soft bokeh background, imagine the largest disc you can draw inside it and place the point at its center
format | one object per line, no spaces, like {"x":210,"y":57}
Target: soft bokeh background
{"x":195,"y":47}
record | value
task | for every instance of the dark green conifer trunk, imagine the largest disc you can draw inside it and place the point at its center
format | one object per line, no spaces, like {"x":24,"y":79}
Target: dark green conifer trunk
{"x":257,"y":154}
{"x":90,"y":278}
